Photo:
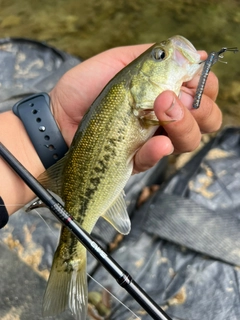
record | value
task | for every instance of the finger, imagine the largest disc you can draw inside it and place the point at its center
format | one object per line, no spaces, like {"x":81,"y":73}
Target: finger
{"x":211,"y":87}
{"x":151,"y":152}
{"x":183,"y":130}
{"x":203,"y":54}
{"x":208,"y":116}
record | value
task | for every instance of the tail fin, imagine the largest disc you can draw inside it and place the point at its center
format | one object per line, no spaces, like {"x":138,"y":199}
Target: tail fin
{"x":67,"y":288}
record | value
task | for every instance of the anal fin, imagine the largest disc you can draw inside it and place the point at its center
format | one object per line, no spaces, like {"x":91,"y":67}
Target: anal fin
{"x":148,"y":119}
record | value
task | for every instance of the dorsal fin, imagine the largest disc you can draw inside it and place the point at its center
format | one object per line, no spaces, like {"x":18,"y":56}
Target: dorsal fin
{"x":117,"y":215}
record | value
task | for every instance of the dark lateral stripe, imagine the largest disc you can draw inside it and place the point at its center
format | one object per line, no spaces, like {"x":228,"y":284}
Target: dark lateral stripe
{"x":3,"y":214}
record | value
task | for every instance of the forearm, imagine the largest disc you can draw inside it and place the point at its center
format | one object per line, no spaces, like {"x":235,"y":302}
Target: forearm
{"x":13,"y":190}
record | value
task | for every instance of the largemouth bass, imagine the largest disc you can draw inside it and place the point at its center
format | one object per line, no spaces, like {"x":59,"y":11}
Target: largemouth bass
{"x":91,"y":177}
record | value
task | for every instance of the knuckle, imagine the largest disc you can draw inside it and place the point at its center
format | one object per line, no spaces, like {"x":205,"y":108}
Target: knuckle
{"x":210,"y":119}
{"x":189,"y":139}
{"x":212,"y":86}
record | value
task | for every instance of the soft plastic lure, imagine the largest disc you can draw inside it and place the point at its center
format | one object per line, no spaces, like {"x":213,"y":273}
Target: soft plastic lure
{"x":213,"y":57}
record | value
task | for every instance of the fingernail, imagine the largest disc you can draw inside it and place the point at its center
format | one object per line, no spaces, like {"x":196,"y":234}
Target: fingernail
{"x":171,"y":151}
{"x":175,"y":112}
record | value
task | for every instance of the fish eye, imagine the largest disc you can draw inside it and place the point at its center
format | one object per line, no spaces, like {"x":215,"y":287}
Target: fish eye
{"x":158,"y":54}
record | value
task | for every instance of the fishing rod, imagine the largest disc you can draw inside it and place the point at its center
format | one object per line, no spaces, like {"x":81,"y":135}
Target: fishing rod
{"x":121,"y":276}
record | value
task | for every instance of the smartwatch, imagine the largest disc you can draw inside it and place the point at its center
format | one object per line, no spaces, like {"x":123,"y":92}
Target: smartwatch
{"x":36,"y":116}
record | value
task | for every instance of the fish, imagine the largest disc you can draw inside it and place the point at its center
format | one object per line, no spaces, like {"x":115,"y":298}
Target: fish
{"x":91,"y":177}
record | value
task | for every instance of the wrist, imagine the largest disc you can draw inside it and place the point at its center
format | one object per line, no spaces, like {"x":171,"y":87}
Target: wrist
{"x":24,"y":134}
{"x":14,"y":136}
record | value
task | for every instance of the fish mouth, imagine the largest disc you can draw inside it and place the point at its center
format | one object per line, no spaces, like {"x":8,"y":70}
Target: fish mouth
{"x":184,"y":51}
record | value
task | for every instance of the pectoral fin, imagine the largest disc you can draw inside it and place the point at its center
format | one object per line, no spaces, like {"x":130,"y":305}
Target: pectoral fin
{"x":52,"y":178}
{"x":148,"y":119}
{"x":117,"y":215}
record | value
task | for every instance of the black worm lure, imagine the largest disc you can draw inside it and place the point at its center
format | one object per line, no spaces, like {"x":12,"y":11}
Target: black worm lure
{"x":213,"y":57}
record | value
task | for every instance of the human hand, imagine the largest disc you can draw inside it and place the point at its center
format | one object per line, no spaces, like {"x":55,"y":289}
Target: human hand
{"x":79,"y":87}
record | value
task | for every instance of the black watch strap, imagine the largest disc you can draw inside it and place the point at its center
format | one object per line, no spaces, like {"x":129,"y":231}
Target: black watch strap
{"x":35,"y":114}
{"x":3,"y":214}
